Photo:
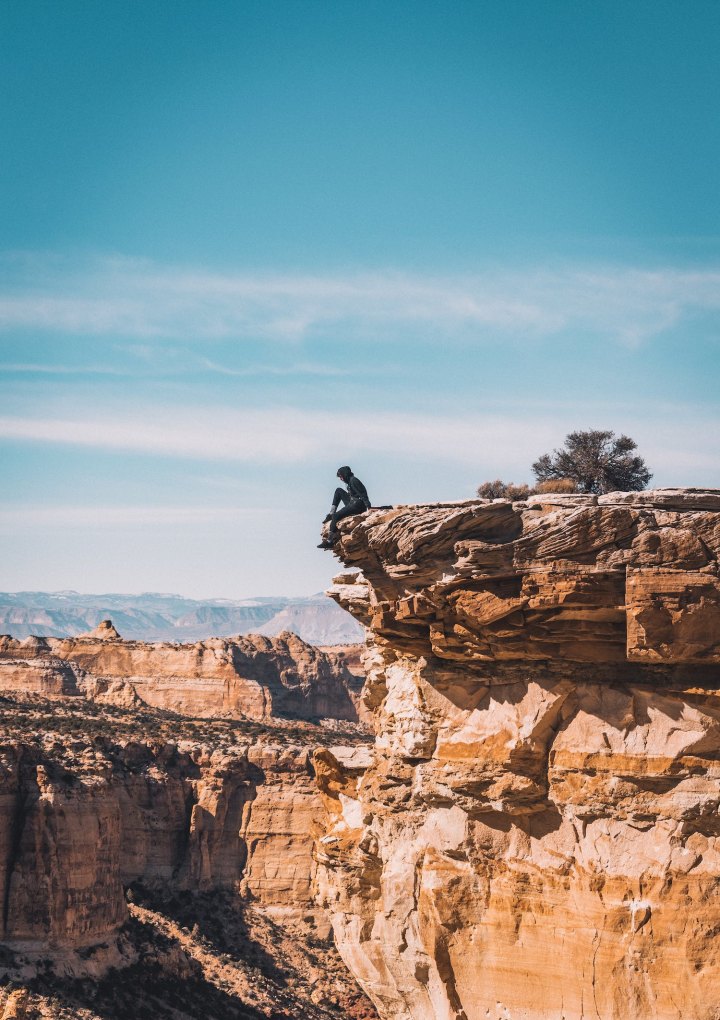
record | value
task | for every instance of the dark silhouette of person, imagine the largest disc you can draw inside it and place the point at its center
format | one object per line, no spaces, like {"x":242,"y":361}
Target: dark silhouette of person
{"x":354,"y":498}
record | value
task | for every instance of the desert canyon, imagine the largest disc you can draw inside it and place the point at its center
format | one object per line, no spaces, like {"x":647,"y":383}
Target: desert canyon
{"x":517,"y":819}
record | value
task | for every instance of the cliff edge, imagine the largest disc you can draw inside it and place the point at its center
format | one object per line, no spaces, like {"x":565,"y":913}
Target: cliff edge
{"x":538,"y":834}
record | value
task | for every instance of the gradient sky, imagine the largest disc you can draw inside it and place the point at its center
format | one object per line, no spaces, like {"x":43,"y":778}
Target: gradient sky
{"x":245,"y":242}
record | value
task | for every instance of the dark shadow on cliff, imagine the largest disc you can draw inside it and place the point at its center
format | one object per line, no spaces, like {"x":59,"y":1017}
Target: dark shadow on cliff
{"x":468,"y":685}
{"x":537,"y":825}
{"x":205,"y":956}
{"x":165,"y":984}
{"x":216,"y":918}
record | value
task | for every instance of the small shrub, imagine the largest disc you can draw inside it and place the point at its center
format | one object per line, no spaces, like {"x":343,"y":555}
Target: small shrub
{"x":503,"y":490}
{"x":597,"y":461}
{"x":509,"y":490}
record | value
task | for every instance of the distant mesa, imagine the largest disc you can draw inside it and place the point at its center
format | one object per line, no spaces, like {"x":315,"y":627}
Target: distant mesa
{"x":103,"y":632}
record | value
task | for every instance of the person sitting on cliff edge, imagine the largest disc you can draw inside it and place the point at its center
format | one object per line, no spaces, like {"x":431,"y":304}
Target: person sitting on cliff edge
{"x":355,"y":500}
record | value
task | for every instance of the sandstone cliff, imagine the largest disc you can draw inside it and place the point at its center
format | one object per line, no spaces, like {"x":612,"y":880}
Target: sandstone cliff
{"x":81,"y":822}
{"x":250,"y":677}
{"x":538,"y":835}
{"x":206,"y":826}
{"x":178,"y":777}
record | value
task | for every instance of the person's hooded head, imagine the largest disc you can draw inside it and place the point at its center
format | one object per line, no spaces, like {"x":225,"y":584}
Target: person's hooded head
{"x":344,"y":473}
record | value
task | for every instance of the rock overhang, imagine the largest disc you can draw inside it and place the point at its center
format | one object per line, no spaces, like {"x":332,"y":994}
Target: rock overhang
{"x":618,"y":578}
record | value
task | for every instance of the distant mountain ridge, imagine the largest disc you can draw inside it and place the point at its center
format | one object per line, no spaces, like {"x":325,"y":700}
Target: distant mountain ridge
{"x":154,"y":616}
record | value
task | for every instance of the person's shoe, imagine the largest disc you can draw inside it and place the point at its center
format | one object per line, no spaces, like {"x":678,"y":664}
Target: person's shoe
{"x":325,"y":544}
{"x":328,"y":518}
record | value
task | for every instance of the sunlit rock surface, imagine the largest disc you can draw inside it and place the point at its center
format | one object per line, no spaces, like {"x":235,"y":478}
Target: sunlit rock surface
{"x":537,"y":836}
{"x":251,"y":677}
{"x":73,"y":836}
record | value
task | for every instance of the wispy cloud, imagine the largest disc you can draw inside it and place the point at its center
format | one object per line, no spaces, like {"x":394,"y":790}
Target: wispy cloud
{"x":283,"y":371}
{"x":49,"y":369}
{"x":195,"y":433}
{"x":499,"y":442}
{"x":49,"y":517}
{"x":142,"y":301}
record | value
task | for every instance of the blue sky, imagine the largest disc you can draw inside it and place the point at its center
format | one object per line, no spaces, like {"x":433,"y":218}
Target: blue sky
{"x":245,"y":242}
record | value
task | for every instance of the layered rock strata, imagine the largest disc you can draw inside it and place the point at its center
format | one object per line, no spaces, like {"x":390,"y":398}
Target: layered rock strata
{"x":538,"y":835}
{"x":250,"y":677}
{"x":95,"y":800}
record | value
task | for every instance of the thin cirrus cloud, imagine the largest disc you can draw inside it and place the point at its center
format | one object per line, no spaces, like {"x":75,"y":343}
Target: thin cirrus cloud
{"x":48,"y":369}
{"x":300,"y":369}
{"x":278,"y":435}
{"x":99,"y":517}
{"x":259,"y":436}
{"x":293,"y":436}
{"x":143,"y":300}
{"x":304,"y":368}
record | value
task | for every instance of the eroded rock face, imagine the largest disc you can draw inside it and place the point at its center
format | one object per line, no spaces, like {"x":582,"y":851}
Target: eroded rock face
{"x":250,"y":677}
{"x":59,"y":858}
{"x":538,"y":834}
{"x":92,"y":803}
{"x":83,"y":819}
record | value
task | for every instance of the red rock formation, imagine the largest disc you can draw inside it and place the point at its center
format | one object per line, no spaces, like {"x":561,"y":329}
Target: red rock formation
{"x":537,"y":836}
{"x":59,"y":858}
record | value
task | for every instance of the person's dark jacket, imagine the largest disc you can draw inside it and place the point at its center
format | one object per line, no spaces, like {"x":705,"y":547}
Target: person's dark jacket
{"x":357,"y":490}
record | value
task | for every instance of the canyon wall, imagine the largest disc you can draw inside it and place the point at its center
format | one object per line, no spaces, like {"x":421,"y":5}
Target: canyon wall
{"x":251,"y":677}
{"x":538,"y":834}
{"x":166,"y":861}
{"x":178,"y":768}
{"x":84,"y":817}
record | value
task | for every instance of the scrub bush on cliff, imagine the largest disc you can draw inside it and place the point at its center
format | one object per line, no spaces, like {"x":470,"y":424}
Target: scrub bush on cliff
{"x":596,"y":461}
{"x":509,"y":490}
{"x":503,"y":490}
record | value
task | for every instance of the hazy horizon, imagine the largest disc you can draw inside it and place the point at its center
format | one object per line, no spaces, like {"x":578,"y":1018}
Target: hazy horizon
{"x":159,"y":594}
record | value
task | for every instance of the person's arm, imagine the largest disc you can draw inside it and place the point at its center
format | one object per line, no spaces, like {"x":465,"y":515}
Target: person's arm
{"x":359,"y":491}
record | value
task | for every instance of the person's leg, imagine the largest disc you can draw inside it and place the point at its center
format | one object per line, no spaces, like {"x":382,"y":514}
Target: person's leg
{"x":351,"y":509}
{"x":341,"y":496}
{"x":356,"y":506}
{"x":348,"y":511}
